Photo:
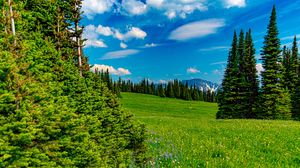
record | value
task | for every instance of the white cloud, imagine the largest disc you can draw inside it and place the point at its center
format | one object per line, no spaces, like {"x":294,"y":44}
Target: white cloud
{"x":197,"y":29}
{"x":92,"y":37}
{"x":171,"y":14}
{"x":95,"y":44}
{"x":93,"y":33}
{"x":214,"y":48}
{"x":259,"y":68}
{"x":134,"y":33}
{"x":155,"y":3}
{"x":289,"y":37}
{"x":219,"y":63}
{"x":235,"y":3}
{"x":111,"y":70}
{"x":192,"y":70}
{"x":93,"y":7}
{"x":151,"y":45}
{"x":123,"y":45}
{"x":105,"y":31}
{"x":119,"y":54}
{"x":134,"y":7}
{"x":177,"y":8}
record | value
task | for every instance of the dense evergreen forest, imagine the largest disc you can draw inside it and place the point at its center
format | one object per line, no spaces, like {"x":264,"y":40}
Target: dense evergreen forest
{"x":54,"y":112}
{"x":173,"y":89}
{"x":279,"y":95}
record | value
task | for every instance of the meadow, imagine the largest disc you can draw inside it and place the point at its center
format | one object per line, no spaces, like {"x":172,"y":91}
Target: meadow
{"x":186,"y":134}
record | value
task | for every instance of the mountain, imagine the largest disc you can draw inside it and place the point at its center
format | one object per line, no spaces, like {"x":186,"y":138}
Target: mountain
{"x":203,"y":85}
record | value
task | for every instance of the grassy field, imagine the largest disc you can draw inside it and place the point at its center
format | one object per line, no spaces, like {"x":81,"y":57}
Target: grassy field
{"x":186,"y":134}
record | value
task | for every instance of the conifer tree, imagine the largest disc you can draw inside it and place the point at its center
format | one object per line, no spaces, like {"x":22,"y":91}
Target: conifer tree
{"x":228,"y":97}
{"x":170,"y":91}
{"x":251,"y":78}
{"x":275,"y":101}
{"x":296,"y":92}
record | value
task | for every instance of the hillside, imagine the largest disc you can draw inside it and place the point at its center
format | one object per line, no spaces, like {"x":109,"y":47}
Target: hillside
{"x":186,"y":134}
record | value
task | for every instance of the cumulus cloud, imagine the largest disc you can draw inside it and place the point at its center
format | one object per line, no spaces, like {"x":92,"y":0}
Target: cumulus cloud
{"x":93,"y":7}
{"x":155,"y":3}
{"x":197,"y":29}
{"x":133,"y":33}
{"x":192,"y":70}
{"x":92,"y":37}
{"x":123,"y":45}
{"x":93,"y":33}
{"x":111,"y":70}
{"x":95,"y":44}
{"x":177,"y":8}
{"x":235,"y":3}
{"x":259,"y":68}
{"x":119,"y":54}
{"x":105,"y":31}
{"x":134,"y":7}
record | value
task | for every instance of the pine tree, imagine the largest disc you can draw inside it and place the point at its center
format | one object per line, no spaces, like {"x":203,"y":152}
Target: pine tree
{"x":296,"y":92}
{"x":49,"y":115}
{"x":251,"y":78}
{"x":228,"y":97}
{"x":242,"y":85}
{"x":275,"y":101}
{"x":170,"y":91}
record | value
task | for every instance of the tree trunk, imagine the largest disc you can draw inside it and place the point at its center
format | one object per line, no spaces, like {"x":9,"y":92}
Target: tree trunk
{"x":78,"y":40}
{"x":13,"y":29}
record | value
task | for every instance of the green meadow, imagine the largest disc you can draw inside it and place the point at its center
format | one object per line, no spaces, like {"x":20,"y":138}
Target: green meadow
{"x":186,"y":134}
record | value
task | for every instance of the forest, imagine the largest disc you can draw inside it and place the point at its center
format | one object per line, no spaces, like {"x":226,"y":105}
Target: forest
{"x":278,"y":97}
{"x":172,"y":89}
{"x":54,"y":112}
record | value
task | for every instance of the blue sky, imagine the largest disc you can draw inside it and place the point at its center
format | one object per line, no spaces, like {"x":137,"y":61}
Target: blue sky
{"x":182,"y":39}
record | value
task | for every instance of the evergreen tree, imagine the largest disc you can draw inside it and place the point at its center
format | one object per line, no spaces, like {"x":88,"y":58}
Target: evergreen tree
{"x":251,"y":83}
{"x":296,"y":92}
{"x":228,"y":103}
{"x":275,"y":101}
{"x":170,"y":91}
{"x":49,"y":115}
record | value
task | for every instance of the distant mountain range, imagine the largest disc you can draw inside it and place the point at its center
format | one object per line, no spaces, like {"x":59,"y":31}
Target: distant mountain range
{"x":203,"y":85}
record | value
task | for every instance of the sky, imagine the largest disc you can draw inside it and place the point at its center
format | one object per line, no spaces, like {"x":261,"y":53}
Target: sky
{"x":177,"y":39}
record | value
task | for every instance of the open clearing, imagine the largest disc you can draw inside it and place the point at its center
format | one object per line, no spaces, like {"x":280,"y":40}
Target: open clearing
{"x":186,"y":134}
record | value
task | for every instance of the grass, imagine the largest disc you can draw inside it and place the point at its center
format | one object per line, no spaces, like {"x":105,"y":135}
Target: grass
{"x":186,"y":134}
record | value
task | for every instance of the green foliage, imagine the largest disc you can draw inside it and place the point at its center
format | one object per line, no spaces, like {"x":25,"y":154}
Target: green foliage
{"x":186,"y":134}
{"x":274,"y":101}
{"x":49,"y":115}
{"x":229,"y":102}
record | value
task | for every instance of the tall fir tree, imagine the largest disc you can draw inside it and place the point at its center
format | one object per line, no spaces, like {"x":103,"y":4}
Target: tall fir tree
{"x":251,"y":84}
{"x":242,"y":99}
{"x":296,"y":92}
{"x":228,"y":102}
{"x":275,"y":100}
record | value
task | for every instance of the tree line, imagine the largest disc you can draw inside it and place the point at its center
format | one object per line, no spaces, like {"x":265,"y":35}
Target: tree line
{"x":53,"y":111}
{"x":278,"y":97}
{"x":172,"y":89}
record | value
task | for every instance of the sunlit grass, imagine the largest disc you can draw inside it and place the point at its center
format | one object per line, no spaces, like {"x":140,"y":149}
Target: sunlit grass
{"x":186,"y":134}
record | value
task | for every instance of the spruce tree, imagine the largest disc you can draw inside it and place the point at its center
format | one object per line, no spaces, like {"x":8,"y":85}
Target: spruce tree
{"x":228,"y":103}
{"x":251,"y":84}
{"x":242,"y":98}
{"x":296,"y":93}
{"x":275,"y":101}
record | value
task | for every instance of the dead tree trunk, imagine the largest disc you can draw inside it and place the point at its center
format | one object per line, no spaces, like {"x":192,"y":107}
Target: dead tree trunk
{"x":13,"y":29}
